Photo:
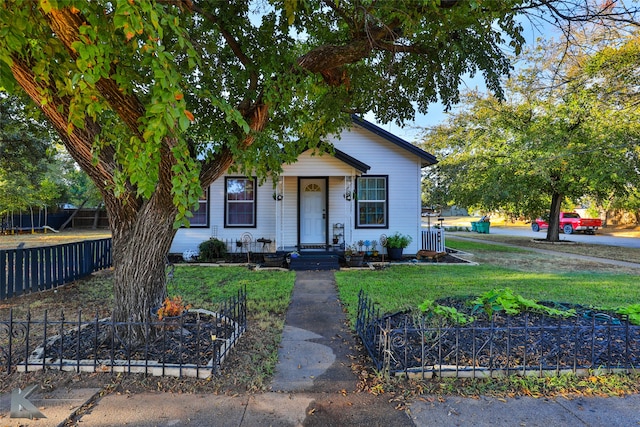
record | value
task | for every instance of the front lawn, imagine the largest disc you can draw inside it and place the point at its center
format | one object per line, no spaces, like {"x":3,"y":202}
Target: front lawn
{"x":530,"y":274}
{"x":253,"y":361}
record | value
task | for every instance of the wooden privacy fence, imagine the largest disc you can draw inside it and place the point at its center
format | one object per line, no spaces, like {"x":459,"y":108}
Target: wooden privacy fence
{"x":26,"y":270}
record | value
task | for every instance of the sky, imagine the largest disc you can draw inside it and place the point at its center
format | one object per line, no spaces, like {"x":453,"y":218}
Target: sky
{"x":412,"y":131}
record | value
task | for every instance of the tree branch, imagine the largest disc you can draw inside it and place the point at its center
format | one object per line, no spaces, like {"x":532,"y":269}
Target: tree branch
{"x":66,"y":25}
{"x":234,"y":45}
{"x":77,"y":141}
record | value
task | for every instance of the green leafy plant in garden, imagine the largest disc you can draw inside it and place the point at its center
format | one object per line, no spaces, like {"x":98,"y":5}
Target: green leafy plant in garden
{"x":509,"y":302}
{"x":633,"y":312}
{"x":431,"y":307}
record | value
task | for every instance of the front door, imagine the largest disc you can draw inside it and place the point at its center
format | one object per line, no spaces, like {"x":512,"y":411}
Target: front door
{"x":313,"y":213}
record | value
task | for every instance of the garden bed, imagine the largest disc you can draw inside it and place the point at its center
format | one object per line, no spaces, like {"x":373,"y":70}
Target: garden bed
{"x":526,"y":343}
{"x":195,"y":346}
{"x":450,"y":257}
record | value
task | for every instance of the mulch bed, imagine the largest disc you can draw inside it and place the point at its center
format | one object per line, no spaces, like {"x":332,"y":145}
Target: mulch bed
{"x":591,"y":339}
{"x":194,"y":339}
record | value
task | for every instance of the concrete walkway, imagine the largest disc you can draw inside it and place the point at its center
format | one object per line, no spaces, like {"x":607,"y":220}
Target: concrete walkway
{"x":315,"y":386}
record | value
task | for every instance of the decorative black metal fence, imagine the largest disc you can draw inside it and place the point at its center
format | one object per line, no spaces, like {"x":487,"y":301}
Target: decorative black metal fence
{"x":531,"y":344}
{"x":194,"y":344}
{"x":26,"y":270}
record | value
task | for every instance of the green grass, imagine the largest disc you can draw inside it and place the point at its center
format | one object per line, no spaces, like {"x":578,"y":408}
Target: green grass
{"x":248,"y":367}
{"x":405,"y":287}
{"x":267,"y":291}
{"x":530,"y":274}
{"x":268,"y":295}
{"x":468,"y":246}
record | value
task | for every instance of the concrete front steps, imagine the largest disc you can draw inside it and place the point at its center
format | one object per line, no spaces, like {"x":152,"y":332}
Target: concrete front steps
{"x":315,"y":261}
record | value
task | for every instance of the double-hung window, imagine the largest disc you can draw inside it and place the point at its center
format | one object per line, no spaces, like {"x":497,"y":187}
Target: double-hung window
{"x":200,"y":216}
{"x":240,"y":202}
{"x":372,"y":203}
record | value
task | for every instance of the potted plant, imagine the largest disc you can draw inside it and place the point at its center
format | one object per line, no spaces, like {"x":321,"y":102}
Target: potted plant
{"x":396,"y":243}
{"x":353,"y":256}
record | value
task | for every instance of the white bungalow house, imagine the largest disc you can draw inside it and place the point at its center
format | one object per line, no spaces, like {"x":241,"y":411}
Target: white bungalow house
{"x":368,"y":188}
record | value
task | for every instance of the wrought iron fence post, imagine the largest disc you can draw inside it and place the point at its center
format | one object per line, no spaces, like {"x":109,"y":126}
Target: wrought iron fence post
{"x":386,"y":345}
{"x":423,"y":351}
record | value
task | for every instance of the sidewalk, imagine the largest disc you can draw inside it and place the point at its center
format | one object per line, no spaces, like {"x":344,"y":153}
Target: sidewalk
{"x":314,"y":386}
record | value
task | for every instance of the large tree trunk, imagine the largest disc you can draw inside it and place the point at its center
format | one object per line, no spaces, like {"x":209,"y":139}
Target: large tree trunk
{"x":140,"y":246}
{"x":142,"y":229}
{"x":553,"y":233}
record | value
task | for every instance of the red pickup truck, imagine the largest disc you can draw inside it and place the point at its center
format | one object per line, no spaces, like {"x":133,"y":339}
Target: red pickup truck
{"x":569,"y":223}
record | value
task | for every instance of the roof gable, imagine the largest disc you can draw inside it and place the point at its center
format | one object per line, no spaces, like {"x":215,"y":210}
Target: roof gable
{"x":351,"y":161}
{"x":427,"y":158}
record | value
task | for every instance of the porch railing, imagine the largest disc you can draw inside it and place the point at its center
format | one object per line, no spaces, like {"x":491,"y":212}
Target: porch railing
{"x":433,"y":240}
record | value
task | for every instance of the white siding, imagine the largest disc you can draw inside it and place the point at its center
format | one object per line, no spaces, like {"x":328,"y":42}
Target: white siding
{"x":320,"y":165}
{"x":288,"y":230}
{"x":190,"y":238}
{"x":403,"y":170}
{"x":278,"y":220}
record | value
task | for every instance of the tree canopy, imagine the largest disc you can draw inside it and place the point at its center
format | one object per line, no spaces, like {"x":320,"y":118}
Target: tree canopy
{"x":25,"y":156}
{"x":156,"y":99}
{"x":543,"y":145}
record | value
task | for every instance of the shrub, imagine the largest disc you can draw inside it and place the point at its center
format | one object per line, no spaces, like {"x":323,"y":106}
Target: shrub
{"x":212,"y":249}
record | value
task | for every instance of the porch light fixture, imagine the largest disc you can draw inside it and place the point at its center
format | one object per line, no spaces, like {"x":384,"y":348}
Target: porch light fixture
{"x":277,"y":195}
{"x":348,"y":195}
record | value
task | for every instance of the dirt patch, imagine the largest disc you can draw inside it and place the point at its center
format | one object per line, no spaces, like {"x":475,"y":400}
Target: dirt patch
{"x":93,"y":295}
{"x":11,"y":241}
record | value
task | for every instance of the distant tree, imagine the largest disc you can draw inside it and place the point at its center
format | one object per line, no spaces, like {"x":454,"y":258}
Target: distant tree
{"x":539,"y":147}
{"x":23,"y":140}
{"x":78,"y":187}
{"x":25,"y":156}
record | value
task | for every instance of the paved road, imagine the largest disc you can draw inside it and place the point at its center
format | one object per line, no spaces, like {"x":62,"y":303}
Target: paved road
{"x":598,"y":239}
